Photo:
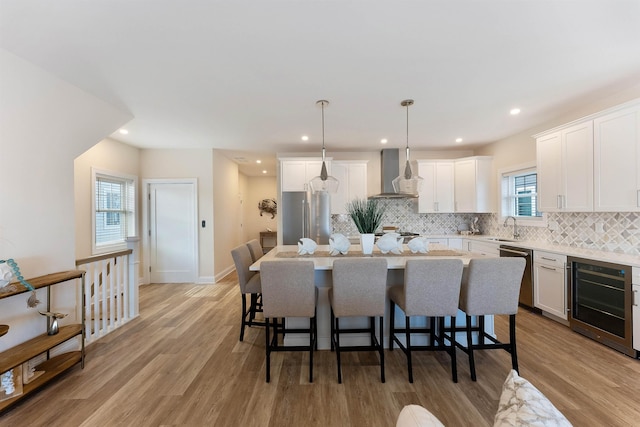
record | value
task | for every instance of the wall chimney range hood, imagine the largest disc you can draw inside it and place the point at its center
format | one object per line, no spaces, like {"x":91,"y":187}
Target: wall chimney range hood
{"x":389,"y":170}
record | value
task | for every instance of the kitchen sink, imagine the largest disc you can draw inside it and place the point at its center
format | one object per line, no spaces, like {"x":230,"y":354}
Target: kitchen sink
{"x":499,"y":239}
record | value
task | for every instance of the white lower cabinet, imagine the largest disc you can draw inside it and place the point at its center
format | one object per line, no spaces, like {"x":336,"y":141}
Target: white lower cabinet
{"x":489,"y":249}
{"x":550,"y":287}
{"x":452,"y":243}
{"x":455,"y":243}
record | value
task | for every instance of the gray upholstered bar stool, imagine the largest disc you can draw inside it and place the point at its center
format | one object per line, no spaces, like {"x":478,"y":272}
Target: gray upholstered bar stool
{"x":431,"y":288}
{"x":249,"y":282}
{"x":255,"y":248}
{"x":288,"y":290}
{"x":490,"y":287}
{"x":359,"y":290}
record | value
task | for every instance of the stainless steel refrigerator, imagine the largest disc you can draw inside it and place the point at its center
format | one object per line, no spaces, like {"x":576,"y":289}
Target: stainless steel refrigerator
{"x":305,"y":215}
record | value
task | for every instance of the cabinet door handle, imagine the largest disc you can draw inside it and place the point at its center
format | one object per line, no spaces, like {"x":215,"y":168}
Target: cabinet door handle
{"x":635,"y":300}
{"x":547,"y":268}
{"x":638,"y":198}
{"x":548,"y":259}
{"x":559,"y":201}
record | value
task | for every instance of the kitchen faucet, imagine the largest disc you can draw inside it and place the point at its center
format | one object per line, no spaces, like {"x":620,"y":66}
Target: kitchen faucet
{"x":515,"y":226}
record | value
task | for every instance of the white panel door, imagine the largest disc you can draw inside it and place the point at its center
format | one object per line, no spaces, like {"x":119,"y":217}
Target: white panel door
{"x":172,"y":232}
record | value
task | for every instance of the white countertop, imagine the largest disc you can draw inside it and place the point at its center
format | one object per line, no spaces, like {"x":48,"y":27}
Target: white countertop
{"x":593,"y":254}
{"x":394,"y":262}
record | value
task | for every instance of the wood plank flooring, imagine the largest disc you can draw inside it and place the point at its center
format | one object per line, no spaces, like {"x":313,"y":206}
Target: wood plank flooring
{"x":181,"y":364}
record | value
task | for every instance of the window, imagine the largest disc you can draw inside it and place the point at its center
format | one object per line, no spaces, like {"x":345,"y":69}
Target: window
{"x":114,"y":210}
{"x":519,"y":192}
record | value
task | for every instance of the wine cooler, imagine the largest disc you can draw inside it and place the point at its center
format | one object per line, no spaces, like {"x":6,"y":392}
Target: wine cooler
{"x":601,"y":302}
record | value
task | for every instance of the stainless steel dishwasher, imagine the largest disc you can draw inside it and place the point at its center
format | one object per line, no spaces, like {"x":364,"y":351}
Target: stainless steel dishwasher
{"x":526,"y":288}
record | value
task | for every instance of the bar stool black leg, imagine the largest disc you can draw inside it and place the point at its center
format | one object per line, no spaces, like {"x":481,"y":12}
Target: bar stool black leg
{"x":268,"y":350}
{"x":338,"y":350}
{"x":381,"y":347}
{"x":512,"y":341}
{"x":244,"y":315}
{"x":452,"y":349}
{"x":392,"y":323}
{"x":407,"y":325}
{"x":472,"y":362}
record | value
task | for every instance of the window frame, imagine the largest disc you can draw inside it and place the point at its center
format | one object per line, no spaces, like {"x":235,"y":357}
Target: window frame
{"x":505,"y":207}
{"x":130,"y":216}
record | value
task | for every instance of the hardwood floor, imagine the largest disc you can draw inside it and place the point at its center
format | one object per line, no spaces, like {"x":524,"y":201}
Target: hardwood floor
{"x":181,"y":364}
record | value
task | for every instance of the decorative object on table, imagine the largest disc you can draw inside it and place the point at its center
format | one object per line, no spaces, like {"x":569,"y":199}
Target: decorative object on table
{"x":53,"y":317}
{"x":407,"y":183}
{"x":473,"y":227}
{"x":367,"y":216}
{"x":11,"y":383}
{"x":306,"y":246}
{"x":339,"y":244}
{"x":418,"y":245}
{"x":33,"y":299}
{"x":269,"y":206}
{"x":323,"y":182}
{"x":390,"y":242}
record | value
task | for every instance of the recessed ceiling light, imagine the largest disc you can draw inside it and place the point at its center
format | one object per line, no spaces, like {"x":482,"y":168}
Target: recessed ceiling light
{"x":383,"y":141}
{"x":458,"y":139}
{"x":305,"y":138}
{"x":123,"y":131}
{"x":258,"y":161}
{"x":264,"y":171}
{"x":514,"y":111}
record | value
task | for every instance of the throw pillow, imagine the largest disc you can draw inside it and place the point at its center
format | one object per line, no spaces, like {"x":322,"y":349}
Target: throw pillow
{"x":521,"y":404}
{"x":417,"y":416}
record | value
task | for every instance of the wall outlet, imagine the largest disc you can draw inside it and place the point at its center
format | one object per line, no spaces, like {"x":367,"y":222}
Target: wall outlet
{"x":599,"y":227}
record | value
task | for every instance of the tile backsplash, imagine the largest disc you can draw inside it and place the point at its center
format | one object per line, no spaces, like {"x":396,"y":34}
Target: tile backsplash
{"x":620,"y":230}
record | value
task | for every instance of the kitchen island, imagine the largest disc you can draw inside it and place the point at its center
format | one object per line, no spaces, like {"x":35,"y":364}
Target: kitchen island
{"x":323,"y":263}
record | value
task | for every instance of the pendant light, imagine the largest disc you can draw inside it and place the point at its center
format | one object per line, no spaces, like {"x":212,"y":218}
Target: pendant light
{"x":407,"y":183}
{"x":324,"y":182}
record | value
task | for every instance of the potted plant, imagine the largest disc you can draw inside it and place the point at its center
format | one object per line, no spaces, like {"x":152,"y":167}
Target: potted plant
{"x":367,"y":216}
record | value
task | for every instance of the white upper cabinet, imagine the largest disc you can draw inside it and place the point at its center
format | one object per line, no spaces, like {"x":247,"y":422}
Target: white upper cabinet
{"x":591,"y":164}
{"x":352,"y":179}
{"x":617,"y":161}
{"x":565,"y":169}
{"x":295,"y":174}
{"x":473,"y":184}
{"x":437,"y":194}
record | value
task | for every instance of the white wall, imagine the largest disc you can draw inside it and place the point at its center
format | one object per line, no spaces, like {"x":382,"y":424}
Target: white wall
{"x":108,"y":155}
{"x":227,"y":210}
{"x":187,"y":163}
{"x":46,"y":123}
{"x":258,"y":188}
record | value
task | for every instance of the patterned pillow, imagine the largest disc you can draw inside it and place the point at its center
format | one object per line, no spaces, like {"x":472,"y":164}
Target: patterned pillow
{"x":521,"y":404}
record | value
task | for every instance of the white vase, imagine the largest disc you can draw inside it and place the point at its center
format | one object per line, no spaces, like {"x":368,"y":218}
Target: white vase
{"x":366,"y":243}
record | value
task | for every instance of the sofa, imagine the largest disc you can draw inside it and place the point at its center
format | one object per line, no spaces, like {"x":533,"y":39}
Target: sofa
{"x":521,"y":404}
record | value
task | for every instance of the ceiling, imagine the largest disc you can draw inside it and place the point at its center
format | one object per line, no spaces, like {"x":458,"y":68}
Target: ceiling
{"x":244,"y":76}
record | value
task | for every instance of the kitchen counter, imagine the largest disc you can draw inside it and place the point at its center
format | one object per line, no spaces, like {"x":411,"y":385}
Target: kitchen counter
{"x":323,"y":280}
{"x":593,"y":254}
